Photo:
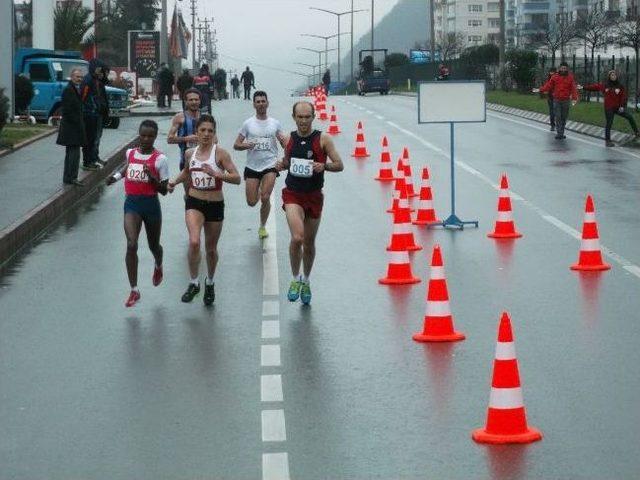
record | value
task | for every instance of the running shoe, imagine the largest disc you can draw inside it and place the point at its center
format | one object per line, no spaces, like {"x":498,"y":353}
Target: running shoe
{"x":192,"y":291}
{"x":294,"y":290}
{"x":305,"y":293}
{"x":262,"y":233}
{"x":157,"y":276}
{"x":209,"y":294}
{"x":134,"y":296}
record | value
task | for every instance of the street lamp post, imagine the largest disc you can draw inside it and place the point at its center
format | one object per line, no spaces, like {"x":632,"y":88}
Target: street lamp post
{"x":319,"y":52}
{"x":326,"y":44}
{"x":339,"y":15}
{"x":308,"y":65}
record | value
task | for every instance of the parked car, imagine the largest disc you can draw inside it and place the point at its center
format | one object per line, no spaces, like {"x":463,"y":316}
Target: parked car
{"x":377,"y":81}
{"x":49,"y":72}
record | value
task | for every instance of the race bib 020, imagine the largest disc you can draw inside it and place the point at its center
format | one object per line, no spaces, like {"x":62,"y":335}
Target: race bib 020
{"x":202,"y":180}
{"x":262,"y":144}
{"x":135,"y":173}
{"x":301,"y":167}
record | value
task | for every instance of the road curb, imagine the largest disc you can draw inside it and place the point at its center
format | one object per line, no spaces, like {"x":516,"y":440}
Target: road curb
{"x":578,"y":127}
{"x":15,"y":237}
{"x":28,"y":141}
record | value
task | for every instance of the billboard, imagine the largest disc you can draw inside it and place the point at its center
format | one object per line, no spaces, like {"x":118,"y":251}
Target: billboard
{"x":422,"y":56}
{"x":144,"y":52}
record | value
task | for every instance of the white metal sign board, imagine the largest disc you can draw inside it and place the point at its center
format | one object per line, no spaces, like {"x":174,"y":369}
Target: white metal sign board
{"x":452,"y":102}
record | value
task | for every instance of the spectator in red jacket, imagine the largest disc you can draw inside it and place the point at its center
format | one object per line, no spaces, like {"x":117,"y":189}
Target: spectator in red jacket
{"x":615,"y":103}
{"x":552,"y":114}
{"x":564,"y":90}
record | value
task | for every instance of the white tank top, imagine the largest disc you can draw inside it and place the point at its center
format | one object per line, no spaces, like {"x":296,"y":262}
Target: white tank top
{"x":200,"y":180}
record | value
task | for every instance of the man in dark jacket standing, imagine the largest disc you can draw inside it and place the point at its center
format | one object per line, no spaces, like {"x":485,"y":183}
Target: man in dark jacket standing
{"x":165,"y":86}
{"x":326,"y":81}
{"x":564,"y":90}
{"x":248,"y":81}
{"x":184,"y":83}
{"x":95,"y":108}
{"x":72,"y":133}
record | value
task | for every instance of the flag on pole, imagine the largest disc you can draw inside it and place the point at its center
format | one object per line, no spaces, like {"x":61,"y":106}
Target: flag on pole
{"x":180,"y":35}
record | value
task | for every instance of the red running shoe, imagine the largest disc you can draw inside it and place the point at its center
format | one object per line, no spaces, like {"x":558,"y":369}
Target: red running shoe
{"x":157,"y":276}
{"x":134,"y":296}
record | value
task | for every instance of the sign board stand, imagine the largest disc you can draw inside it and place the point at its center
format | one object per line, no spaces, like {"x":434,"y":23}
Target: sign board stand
{"x":452,"y":102}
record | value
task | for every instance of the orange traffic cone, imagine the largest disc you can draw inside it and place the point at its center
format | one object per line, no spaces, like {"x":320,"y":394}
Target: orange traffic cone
{"x":361,"y":150}
{"x":590,"y":258}
{"x":408,"y":174}
{"x":395,"y":199}
{"x":438,"y":321}
{"x":399,"y":270}
{"x":426,"y":213}
{"x":385,"y":174}
{"x":504,"y":228}
{"x":402,"y":236}
{"x":506,"y":416}
{"x":322,"y":108}
{"x":400,"y":180}
{"x":334,"y":129}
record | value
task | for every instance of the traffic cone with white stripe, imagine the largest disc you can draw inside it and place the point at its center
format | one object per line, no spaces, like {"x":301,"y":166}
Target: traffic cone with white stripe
{"x":426,"y":213}
{"x":438,"y":321}
{"x":400,"y":180}
{"x":361,"y":149}
{"x":506,"y":416}
{"x":505,"y":228}
{"x":408,"y":173}
{"x":402,"y":236}
{"x":590,"y":258}
{"x":398,"y":270}
{"x":385,"y":174}
{"x":322,"y":108}
{"x":395,"y":201}
{"x":334,"y":129}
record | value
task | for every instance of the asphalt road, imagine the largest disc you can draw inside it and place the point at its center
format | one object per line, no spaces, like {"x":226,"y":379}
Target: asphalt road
{"x":256,"y":387}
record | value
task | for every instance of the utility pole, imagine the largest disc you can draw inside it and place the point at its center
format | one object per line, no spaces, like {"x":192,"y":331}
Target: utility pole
{"x":198,"y":60}
{"x":432,"y":29}
{"x":193,"y":29}
{"x":351,"y":49}
{"x":164,"y":33}
{"x":372,"y":27}
{"x":6,"y":53}
{"x":501,"y":42}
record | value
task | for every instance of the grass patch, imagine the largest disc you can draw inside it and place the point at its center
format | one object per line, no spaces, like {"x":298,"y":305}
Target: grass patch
{"x":13,"y":134}
{"x":584,"y":112}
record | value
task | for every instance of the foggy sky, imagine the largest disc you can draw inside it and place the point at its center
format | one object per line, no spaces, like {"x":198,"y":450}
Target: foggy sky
{"x":267,"y":32}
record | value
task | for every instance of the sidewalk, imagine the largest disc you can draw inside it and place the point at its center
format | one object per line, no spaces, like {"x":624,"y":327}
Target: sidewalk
{"x":33,"y":195}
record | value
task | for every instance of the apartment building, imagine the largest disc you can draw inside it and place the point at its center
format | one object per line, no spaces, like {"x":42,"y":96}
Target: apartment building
{"x":477,"y":20}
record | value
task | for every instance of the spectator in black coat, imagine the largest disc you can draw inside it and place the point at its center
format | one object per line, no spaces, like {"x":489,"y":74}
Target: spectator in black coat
{"x":72,"y":131}
{"x":248,"y":81}
{"x":326,"y":81}
{"x":165,"y":86}
{"x":95,"y":109}
{"x":184,"y":83}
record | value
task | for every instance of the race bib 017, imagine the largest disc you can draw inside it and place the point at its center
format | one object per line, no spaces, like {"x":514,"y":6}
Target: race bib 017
{"x":202,"y":180}
{"x":135,"y":173}
{"x":301,"y":167}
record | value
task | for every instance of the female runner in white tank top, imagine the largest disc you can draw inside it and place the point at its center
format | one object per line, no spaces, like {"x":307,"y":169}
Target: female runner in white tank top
{"x":206,"y":167}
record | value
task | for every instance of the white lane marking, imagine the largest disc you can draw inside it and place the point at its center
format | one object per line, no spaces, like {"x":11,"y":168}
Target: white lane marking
{"x":270,"y":356}
{"x":369,"y":112}
{"x":273,"y":428}
{"x":379,"y":117}
{"x":270,"y":258}
{"x":271,"y":329}
{"x":270,"y":308}
{"x":275,"y":466}
{"x":576,"y":137}
{"x":271,"y":388}
{"x":616,"y":257}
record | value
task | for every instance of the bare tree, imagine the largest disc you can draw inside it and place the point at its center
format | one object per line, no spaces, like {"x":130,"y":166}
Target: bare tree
{"x":628,"y":35}
{"x":450,"y":44}
{"x":555,"y":36}
{"x":595,"y":28}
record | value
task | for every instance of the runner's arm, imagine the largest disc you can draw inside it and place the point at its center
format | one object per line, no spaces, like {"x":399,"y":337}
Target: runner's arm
{"x":283,"y":139}
{"x":114,"y":177}
{"x":230,"y":174}
{"x":161,"y":182}
{"x":336,"y":164}
{"x":184,"y":173}
{"x":240,"y":143}
{"x":172,"y":136}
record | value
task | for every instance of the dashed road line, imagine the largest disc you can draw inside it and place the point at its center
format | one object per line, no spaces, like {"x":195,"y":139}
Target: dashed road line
{"x":275,"y":465}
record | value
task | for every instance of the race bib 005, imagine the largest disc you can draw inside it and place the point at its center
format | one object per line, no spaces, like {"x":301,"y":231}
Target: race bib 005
{"x":301,"y":167}
{"x":262,"y":144}
{"x":202,"y":180}
{"x":135,"y":173}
